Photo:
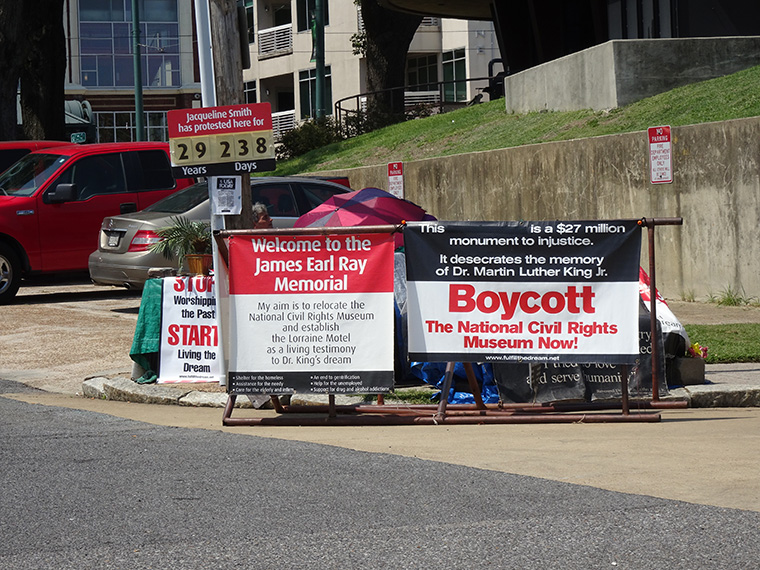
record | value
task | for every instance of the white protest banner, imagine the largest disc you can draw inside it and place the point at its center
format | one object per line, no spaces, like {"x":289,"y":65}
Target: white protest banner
{"x":311,"y":313}
{"x":523,"y":291}
{"x":190,"y":350}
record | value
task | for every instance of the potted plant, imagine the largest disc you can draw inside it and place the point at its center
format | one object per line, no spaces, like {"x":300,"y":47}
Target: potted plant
{"x":691,"y":368}
{"x":189,"y":241}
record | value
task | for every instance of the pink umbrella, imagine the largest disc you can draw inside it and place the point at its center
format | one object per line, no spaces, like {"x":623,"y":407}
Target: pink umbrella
{"x":367,"y":207}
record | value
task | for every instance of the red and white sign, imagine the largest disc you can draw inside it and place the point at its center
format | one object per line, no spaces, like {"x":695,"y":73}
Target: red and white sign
{"x":396,"y":179}
{"x":190,"y":348}
{"x":660,"y":155}
{"x":219,"y":120}
{"x":311,"y":313}
{"x":213,"y":141}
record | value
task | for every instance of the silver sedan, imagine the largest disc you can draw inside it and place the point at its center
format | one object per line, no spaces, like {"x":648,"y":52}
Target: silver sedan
{"x":124,"y":257}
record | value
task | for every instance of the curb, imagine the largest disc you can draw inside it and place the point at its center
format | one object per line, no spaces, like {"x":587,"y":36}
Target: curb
{"x":125,"y":390}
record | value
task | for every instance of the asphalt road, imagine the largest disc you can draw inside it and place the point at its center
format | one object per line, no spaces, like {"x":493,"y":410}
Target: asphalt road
{"x":93,"y":484}
{"x":89,"y":490}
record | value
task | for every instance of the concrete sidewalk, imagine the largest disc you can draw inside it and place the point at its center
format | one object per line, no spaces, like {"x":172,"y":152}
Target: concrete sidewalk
{"x":706,"y":456}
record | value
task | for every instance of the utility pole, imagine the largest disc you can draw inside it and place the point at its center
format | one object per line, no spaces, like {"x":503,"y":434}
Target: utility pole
{"x":319,"y":53}
{"x":228,"y":80}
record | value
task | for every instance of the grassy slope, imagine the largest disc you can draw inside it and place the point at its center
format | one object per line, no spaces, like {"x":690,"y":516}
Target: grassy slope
{"x":487,"y":126}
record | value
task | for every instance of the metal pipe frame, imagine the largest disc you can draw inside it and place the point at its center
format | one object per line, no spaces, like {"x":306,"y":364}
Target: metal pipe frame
{"x":463,"y":414}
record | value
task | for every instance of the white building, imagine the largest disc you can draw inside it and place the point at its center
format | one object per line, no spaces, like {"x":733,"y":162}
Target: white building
{"x":283,"y":74}
{"x":100,"y":63}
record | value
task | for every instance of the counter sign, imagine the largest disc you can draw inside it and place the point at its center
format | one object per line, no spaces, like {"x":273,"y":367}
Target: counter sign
{"x":212,"y":141}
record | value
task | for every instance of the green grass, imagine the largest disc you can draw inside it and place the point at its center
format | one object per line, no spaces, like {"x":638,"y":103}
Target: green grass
{"x":488,"y":126}
{"x":409,"y":396}
{"x":728,"y":343}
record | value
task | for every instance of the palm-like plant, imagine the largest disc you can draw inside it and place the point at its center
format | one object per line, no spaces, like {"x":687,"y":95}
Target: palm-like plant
{"x":182,"y":238}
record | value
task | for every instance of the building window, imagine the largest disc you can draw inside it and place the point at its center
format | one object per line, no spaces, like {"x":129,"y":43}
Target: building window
{"x":249,"y":91}
{"x":422,"y":73}
{"x":454,"y":69}
{"x":249,"y":21}
{"x":105,"y":43}
{"x":307,"y":84}
{"x":120,"y":126}
{"x":305,"y":13}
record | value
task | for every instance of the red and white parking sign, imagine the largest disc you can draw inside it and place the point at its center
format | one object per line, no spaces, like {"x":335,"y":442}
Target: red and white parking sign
{"x":660,"y":155}
{"x":396,"y":179}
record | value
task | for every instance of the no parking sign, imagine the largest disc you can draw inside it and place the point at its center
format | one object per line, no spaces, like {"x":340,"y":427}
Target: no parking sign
{"x":660,"y":155}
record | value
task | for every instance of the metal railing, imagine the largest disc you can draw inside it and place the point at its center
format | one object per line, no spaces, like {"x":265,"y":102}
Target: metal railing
{"x":276,"y":41}
{"x":282,"y":122}
{"x":354,"y":109}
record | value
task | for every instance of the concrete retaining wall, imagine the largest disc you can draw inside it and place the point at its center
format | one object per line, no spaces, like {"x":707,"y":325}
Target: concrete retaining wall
{"x":716,"y":190}
{"x":620,"y":72}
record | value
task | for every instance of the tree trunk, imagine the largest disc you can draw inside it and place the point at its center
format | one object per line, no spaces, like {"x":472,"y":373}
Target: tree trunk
{"x":228,"y":79}
{"x":388,"y":35}
{"x":32,"y":51}
{"x":10,"y":56}
{"x":44,"y":71}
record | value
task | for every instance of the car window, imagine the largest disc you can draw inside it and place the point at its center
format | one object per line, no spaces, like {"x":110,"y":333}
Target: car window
{"x":29,"y":173}
{"x":148,"y":170}
{"x":278,"y":198}
{"x":95,"y":175}
{"x":10,"y":155}
{"x":315,"y":194}
{"x":182,"y":201}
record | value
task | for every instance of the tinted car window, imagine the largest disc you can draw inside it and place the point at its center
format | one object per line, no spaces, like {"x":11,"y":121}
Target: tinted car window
{"x":148,"y":170}
{"x":180,"y":202}
{"x":11,"y":155}
{"x":95,"y":175}
{"x":278,"y":198}
{"x":316,"y":194}
{"x":25,"y":176}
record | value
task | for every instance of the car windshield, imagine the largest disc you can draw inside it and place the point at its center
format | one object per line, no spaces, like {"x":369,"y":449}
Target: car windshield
{"x":26,"y":175}
{"x":182,"y":201}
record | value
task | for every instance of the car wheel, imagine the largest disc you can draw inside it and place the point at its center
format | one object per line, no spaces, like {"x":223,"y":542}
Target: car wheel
{"x":10,"y":273}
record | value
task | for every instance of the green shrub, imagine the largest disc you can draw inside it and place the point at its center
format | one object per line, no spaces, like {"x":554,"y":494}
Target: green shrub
{"x":310,"y":135}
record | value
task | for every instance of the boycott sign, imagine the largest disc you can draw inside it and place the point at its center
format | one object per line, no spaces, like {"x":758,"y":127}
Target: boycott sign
{"x":311,"y":314}
{"x":211,"y":141}
{"x":523,"y":291}
{"x":660,"y":155}
{"x":189,"y":331}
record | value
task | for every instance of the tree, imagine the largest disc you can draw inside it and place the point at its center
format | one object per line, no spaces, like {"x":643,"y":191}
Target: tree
{"x":33,"y":52}
{"x":384,"y":44}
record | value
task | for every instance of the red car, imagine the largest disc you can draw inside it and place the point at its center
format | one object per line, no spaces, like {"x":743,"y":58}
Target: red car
{"x":53,"y":201}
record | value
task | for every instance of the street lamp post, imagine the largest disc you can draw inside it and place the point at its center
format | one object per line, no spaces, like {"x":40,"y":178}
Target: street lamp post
{"x":139,"y":127}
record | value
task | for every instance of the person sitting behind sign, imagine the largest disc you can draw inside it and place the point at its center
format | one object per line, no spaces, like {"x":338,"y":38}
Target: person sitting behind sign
{"x":261,"y":217}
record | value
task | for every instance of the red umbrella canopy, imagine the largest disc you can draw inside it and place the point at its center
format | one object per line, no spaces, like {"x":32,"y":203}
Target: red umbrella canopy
{"x":367,"y":207}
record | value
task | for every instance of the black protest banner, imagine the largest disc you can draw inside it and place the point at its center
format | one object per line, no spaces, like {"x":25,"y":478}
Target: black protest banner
{"x":523,"y":291}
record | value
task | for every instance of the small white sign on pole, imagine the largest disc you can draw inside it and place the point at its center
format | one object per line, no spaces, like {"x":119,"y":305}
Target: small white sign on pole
{"x":396,"y":179}
{"x":660,"y":155}
{"x":226,"y":195}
